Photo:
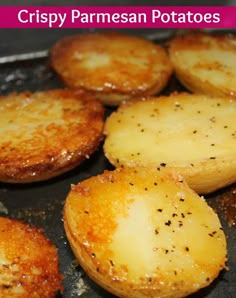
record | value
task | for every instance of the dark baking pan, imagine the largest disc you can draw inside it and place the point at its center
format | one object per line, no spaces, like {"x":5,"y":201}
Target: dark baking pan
{"x":41,"y":203}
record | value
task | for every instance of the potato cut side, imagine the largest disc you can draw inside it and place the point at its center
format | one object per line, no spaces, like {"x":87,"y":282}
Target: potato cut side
{"x":29,"y":265}
{"x":114,"y":66}
{"x":195,"y":134}
{"x":205,"y":63}
{"x":144,"y":233}
{"x":47,"y":133}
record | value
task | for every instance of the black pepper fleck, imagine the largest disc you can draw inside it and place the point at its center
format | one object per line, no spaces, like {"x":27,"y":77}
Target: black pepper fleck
{"x":168,"y":223}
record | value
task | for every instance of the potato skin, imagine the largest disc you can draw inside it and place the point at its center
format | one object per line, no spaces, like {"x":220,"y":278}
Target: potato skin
{"x":29,"y":262}
{"x":191,"y":133}
{"x":114,"y":66}
{"x":205,"y":63}
{"x":47,"y":133}
{"x":131,"y":229}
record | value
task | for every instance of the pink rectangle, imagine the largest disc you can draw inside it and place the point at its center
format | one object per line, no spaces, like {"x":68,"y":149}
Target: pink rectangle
{"x":118,"y":17}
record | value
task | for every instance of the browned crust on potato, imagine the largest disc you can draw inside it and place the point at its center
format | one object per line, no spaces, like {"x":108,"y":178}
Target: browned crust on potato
{"x":29,"y":262}
{"x":113,"y":65}
{"x":97,"y":207}
{"x":47,"y":133}
{"x":214,"y":62}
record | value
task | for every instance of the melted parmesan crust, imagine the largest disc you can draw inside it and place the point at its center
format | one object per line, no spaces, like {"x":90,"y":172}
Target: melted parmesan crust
{"x":29,"y":265}
{"x":114,"y":66}
{"x":144,"y":233}
{"x":44,"y":134}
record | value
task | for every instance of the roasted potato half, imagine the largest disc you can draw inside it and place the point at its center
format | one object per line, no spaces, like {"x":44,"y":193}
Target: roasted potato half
{"x":114,"y":66}
{"x":144,"y":233}
{"x":47,"y":133}
{"x":194,"y":134}
{"x":29,"y":262}
{"x":205,"y":63}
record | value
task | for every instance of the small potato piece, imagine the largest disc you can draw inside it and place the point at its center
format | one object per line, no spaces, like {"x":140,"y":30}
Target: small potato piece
{"x":144,"y":233}
{"x":29,"y":265}
{"x":114,"y":66}
{"x":195,"y":134}
{"x":205,"y":63}
{"x":47,"y":133}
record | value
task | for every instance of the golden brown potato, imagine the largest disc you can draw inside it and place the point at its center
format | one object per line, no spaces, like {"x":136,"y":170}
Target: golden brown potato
{"x":114,"y":66}
{"x":141,"y":233}
{"x":29,"y":262}
{"x":44,"y":134}
{"x":195,"y":134}
{"x":205,"y":63}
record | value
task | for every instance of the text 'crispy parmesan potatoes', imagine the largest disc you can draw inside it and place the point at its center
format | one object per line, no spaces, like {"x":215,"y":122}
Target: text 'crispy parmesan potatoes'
{"x":29,"y":266}
{"x":195,"y":134}
{"x":144,"y":233}
{"x":114,"y":66}
{"x":44,"y":134}
{"x":205,"y":63}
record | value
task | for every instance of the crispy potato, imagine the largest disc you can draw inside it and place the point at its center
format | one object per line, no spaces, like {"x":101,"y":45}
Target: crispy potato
{"x":114,"y":66}
{"x":195,"y":134}
{"x":47,"y":133}
{"x":205,"y":63}
{"x":141,"y":233}
{"x":29,"y":262}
